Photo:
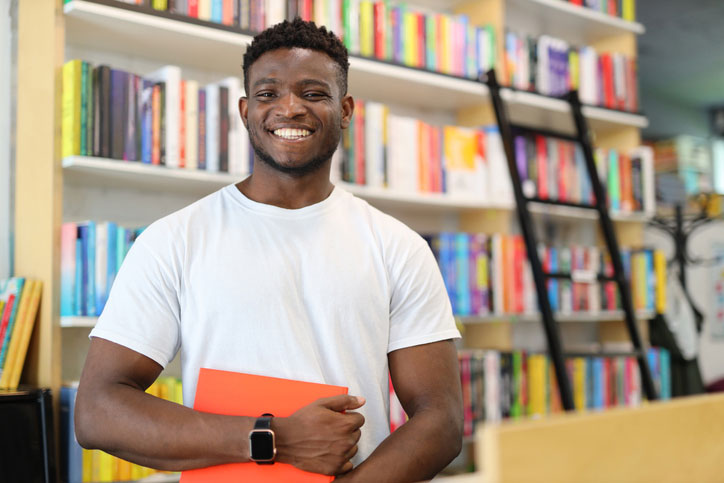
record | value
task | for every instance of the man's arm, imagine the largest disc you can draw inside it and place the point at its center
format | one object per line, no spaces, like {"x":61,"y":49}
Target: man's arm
{"x":113,"y":413}
{"x":427,"y":382}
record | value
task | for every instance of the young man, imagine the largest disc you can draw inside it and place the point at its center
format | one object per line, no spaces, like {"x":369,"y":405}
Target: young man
{"x":282,"y":275}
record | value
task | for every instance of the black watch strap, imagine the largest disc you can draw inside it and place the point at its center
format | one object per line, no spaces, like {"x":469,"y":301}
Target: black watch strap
{"x":263,"y":421}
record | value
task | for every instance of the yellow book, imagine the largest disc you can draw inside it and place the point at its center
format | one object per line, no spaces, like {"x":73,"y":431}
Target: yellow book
{"x":204,"y":9}
{"x":537,"y":385}
{"x":21,"y":335}
{"x":409,"y":39}
{"x":574,"y":68}
{"x":87,"y":465}
{"x":629,"y":10}
{"x":179,"y":395}
{"x":660,"y":273}
{"x":163,"y":387}
{"x":124,"y":470}
{"x":105,"y":467}
{"x":71,"y":103}
{"x":137,"y":472}
{"x":579,"y":383}
{"x":321,"y":15}
{"x":444,"y":56}
{"x":366,"y":29}
{"x":154,"y":389}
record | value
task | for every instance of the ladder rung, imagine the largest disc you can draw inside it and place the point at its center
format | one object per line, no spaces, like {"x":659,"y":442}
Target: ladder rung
{"x":581,"y":276}
{"x":562,"y":203}
{"x":523,"y":129}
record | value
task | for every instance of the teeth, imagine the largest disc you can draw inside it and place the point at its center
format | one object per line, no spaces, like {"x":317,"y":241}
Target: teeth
{"x":287,"y":133}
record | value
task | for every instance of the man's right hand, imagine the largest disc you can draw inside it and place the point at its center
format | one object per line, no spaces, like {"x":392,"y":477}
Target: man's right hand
{"x":321,"y":437}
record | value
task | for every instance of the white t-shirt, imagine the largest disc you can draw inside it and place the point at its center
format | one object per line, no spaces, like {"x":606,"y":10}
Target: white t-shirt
{"x":318,"y":294}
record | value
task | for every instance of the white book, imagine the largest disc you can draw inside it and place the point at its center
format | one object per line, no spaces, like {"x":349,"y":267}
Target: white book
{"x":212,"y":128}
{"x":543,"y":67}
{"x":589,"y":76}
{"x":275,"y":12}
{"x":374,"y":144}
{"x":101,"y":278}
{"x":492,"y":386}
{"x":408,"y":169}
{"x":170,"y":75}
{"x":353,"y":33}
{"x":395,"y":151}
{"x":320,"y":12}
{"x":619,"y":78}
{"x":334,"y":20}
{"x":233,"y":84}
{"x":192,"y":124}
{"x":500,"y":187}
{"x":646,"y":155}
{"x":204,"y":9}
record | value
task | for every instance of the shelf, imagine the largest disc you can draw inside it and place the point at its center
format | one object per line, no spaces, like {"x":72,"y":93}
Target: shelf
{"x":571,"y":22}
{"x":134,"y":175}
{"x":79,"y":321}
{"x":187,"y":42}
{"x":575,"y":213}
{"x":581,"y":317}
{"x":131,"y":174}
{"x":387,"y":198}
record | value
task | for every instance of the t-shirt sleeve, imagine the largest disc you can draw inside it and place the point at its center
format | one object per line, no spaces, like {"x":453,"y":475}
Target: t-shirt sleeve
{"x":143,"y":310}
{"x":420,"y":310}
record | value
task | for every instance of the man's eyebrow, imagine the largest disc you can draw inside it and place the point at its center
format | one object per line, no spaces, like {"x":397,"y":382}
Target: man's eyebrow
{"x":316,"y":82}
{"x":266,"y":80}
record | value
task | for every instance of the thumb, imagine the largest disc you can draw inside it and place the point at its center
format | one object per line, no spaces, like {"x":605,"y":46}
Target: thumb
{"x":342,"y":402}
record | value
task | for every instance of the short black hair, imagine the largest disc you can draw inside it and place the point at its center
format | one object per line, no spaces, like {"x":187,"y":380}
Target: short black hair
{"x":301,"y":34}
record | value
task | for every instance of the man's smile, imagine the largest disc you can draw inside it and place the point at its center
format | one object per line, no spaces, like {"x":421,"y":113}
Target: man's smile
{"x":291,"y":134}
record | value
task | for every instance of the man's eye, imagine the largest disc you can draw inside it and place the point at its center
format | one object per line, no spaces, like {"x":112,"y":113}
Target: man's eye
{"x":315,"y":95}
{"x":265,"y":94}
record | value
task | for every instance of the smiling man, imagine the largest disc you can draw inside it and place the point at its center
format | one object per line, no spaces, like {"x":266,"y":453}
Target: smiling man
{"x":283,"y":275}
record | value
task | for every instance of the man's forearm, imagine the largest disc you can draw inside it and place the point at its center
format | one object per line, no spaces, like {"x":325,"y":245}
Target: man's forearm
{"x":125,"y":421}
{"x":416,"y":451}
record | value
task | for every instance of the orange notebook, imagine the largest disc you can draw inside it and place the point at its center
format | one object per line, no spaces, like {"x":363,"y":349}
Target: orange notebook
{"x":236,"y":394}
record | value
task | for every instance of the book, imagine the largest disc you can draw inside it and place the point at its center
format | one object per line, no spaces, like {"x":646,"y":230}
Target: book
{"x":11,"y":292}
{"x":71,"y":108}
{"x":170,"y":76}
{"x":237,"y":394}
{"x":18,"y":345}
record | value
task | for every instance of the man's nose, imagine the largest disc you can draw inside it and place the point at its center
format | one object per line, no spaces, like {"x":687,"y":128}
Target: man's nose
{"x":290,"y":105}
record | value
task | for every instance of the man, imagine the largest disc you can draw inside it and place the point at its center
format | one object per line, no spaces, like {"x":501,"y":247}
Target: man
{"x":281,"y":275}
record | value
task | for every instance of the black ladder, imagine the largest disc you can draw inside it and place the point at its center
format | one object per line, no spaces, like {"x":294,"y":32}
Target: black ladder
{"x":540,"y":277}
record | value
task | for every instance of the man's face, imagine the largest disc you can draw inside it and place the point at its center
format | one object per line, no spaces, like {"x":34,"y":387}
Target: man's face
{"x":294,"y":109}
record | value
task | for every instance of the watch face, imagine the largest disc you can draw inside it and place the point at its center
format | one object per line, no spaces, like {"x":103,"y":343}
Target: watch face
{"x":262,"y":445}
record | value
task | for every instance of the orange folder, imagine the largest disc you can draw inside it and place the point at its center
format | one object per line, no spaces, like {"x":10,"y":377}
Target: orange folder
{"x":236,"y":394}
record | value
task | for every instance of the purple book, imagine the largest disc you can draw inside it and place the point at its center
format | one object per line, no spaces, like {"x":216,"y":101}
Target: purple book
{"x":479,"y":282}
{"x":521,"y":160}
{"x":118,"y":102}
{"x":130,"y":151}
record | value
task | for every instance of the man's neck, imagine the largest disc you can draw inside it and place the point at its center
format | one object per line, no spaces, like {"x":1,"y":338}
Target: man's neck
{"x":269,"y":186}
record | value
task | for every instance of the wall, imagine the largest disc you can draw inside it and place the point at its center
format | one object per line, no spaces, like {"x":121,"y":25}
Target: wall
{"x":6,"y":147}
{"x":669,"y":118}
{"x":699,"y":281}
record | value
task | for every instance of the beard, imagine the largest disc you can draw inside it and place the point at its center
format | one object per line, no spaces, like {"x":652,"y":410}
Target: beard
{"x":310,"y":166}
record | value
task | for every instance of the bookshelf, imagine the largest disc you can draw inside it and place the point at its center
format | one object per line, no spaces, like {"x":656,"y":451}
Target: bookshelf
{"x":50,"y":188}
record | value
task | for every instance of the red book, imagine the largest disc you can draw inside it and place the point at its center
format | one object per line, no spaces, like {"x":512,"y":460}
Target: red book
{"x":563,"y":167}
{"x":193,"y":8}
{"x":380,"y":22}
{"x":608,"y":90}
{"x":577,"y":2}
{"x":5,"y":321}
{"x":236,"y":394}
{"x":421,"y":42}
{"x":227,"y":12}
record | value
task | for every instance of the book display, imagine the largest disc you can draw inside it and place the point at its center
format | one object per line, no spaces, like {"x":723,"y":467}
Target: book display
{"x":146,"y":122}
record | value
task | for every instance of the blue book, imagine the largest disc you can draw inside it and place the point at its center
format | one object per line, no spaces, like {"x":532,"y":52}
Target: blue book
{"x":78,"y":302}
{"x":446,"y":250}
{"x":599,"y":382}
{"x":665,"y":370}
{"x":91,"y":300}
{"x":553,"y":297}
{"x":590,"y":379}
{"x":398,"y":51}
{"x":650,"y":279}
{"x":462,"y":273}
{"x":216,"y":10}
{"x":84,"y":301}
{"x":652,"y":356}
{"x":146,"y":120}
{"x":71,"y":453}
{"x":111,"y":266}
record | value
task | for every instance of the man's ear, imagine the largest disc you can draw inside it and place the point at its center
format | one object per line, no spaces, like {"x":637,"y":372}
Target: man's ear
{"x":347,"y":111}
{"x":244,"y":110}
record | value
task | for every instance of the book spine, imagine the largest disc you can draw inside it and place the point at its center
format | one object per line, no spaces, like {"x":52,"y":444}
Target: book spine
{"x":223,"y":129}
{"x":71,"y":108}
{"x":212,"y":128}
{"x":68,"y":236}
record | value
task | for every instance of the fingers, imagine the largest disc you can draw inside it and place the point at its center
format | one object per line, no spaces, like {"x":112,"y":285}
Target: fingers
{"x":346,"y":468}
{"x":342,"y":403}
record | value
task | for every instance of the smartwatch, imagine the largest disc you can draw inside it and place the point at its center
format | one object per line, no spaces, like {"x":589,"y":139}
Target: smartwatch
{"x":262,"y":446}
